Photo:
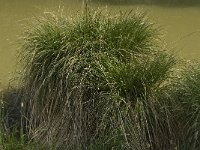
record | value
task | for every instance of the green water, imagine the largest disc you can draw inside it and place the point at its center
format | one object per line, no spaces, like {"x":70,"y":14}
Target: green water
{"x":181,"y":27}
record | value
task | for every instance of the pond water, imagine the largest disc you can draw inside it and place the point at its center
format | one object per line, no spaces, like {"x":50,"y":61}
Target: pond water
{"x":180,"y":25}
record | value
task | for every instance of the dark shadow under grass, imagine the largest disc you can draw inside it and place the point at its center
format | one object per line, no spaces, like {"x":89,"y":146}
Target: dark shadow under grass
{"x":12,"y":129}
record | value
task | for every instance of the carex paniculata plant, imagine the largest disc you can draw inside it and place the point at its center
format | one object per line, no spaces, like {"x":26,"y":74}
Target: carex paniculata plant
{"x":94,"y":82}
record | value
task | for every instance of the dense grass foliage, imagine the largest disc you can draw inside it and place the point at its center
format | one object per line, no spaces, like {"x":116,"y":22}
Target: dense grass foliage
{"x":187,"y":107}
{"x":98,"y":81}
{"x":94,"y":79}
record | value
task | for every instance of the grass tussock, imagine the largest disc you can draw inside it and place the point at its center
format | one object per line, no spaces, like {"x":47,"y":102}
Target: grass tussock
{"x":93,"y":79}
{"x":105,"y":82}
{"x":187,"y":106}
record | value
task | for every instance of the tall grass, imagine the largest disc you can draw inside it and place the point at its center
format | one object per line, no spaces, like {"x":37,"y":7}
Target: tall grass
{"x":187,"y":106}
{"x":98,"y":81}
{"x":92,"y":82}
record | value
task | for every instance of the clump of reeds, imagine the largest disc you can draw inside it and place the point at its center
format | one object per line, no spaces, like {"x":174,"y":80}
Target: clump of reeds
{"x":98,"y":82}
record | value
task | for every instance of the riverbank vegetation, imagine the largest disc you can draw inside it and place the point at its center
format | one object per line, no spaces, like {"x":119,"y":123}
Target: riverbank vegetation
{"x":98,"y":81}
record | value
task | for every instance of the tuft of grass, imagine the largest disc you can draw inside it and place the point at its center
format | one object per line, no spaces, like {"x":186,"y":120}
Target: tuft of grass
{"x":98,"y":81}
{"x":186,"y":109}
{"x":92,"y":82}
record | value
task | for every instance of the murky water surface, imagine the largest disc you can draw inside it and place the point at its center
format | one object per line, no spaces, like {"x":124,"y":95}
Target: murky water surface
{"x":181,"y":27}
